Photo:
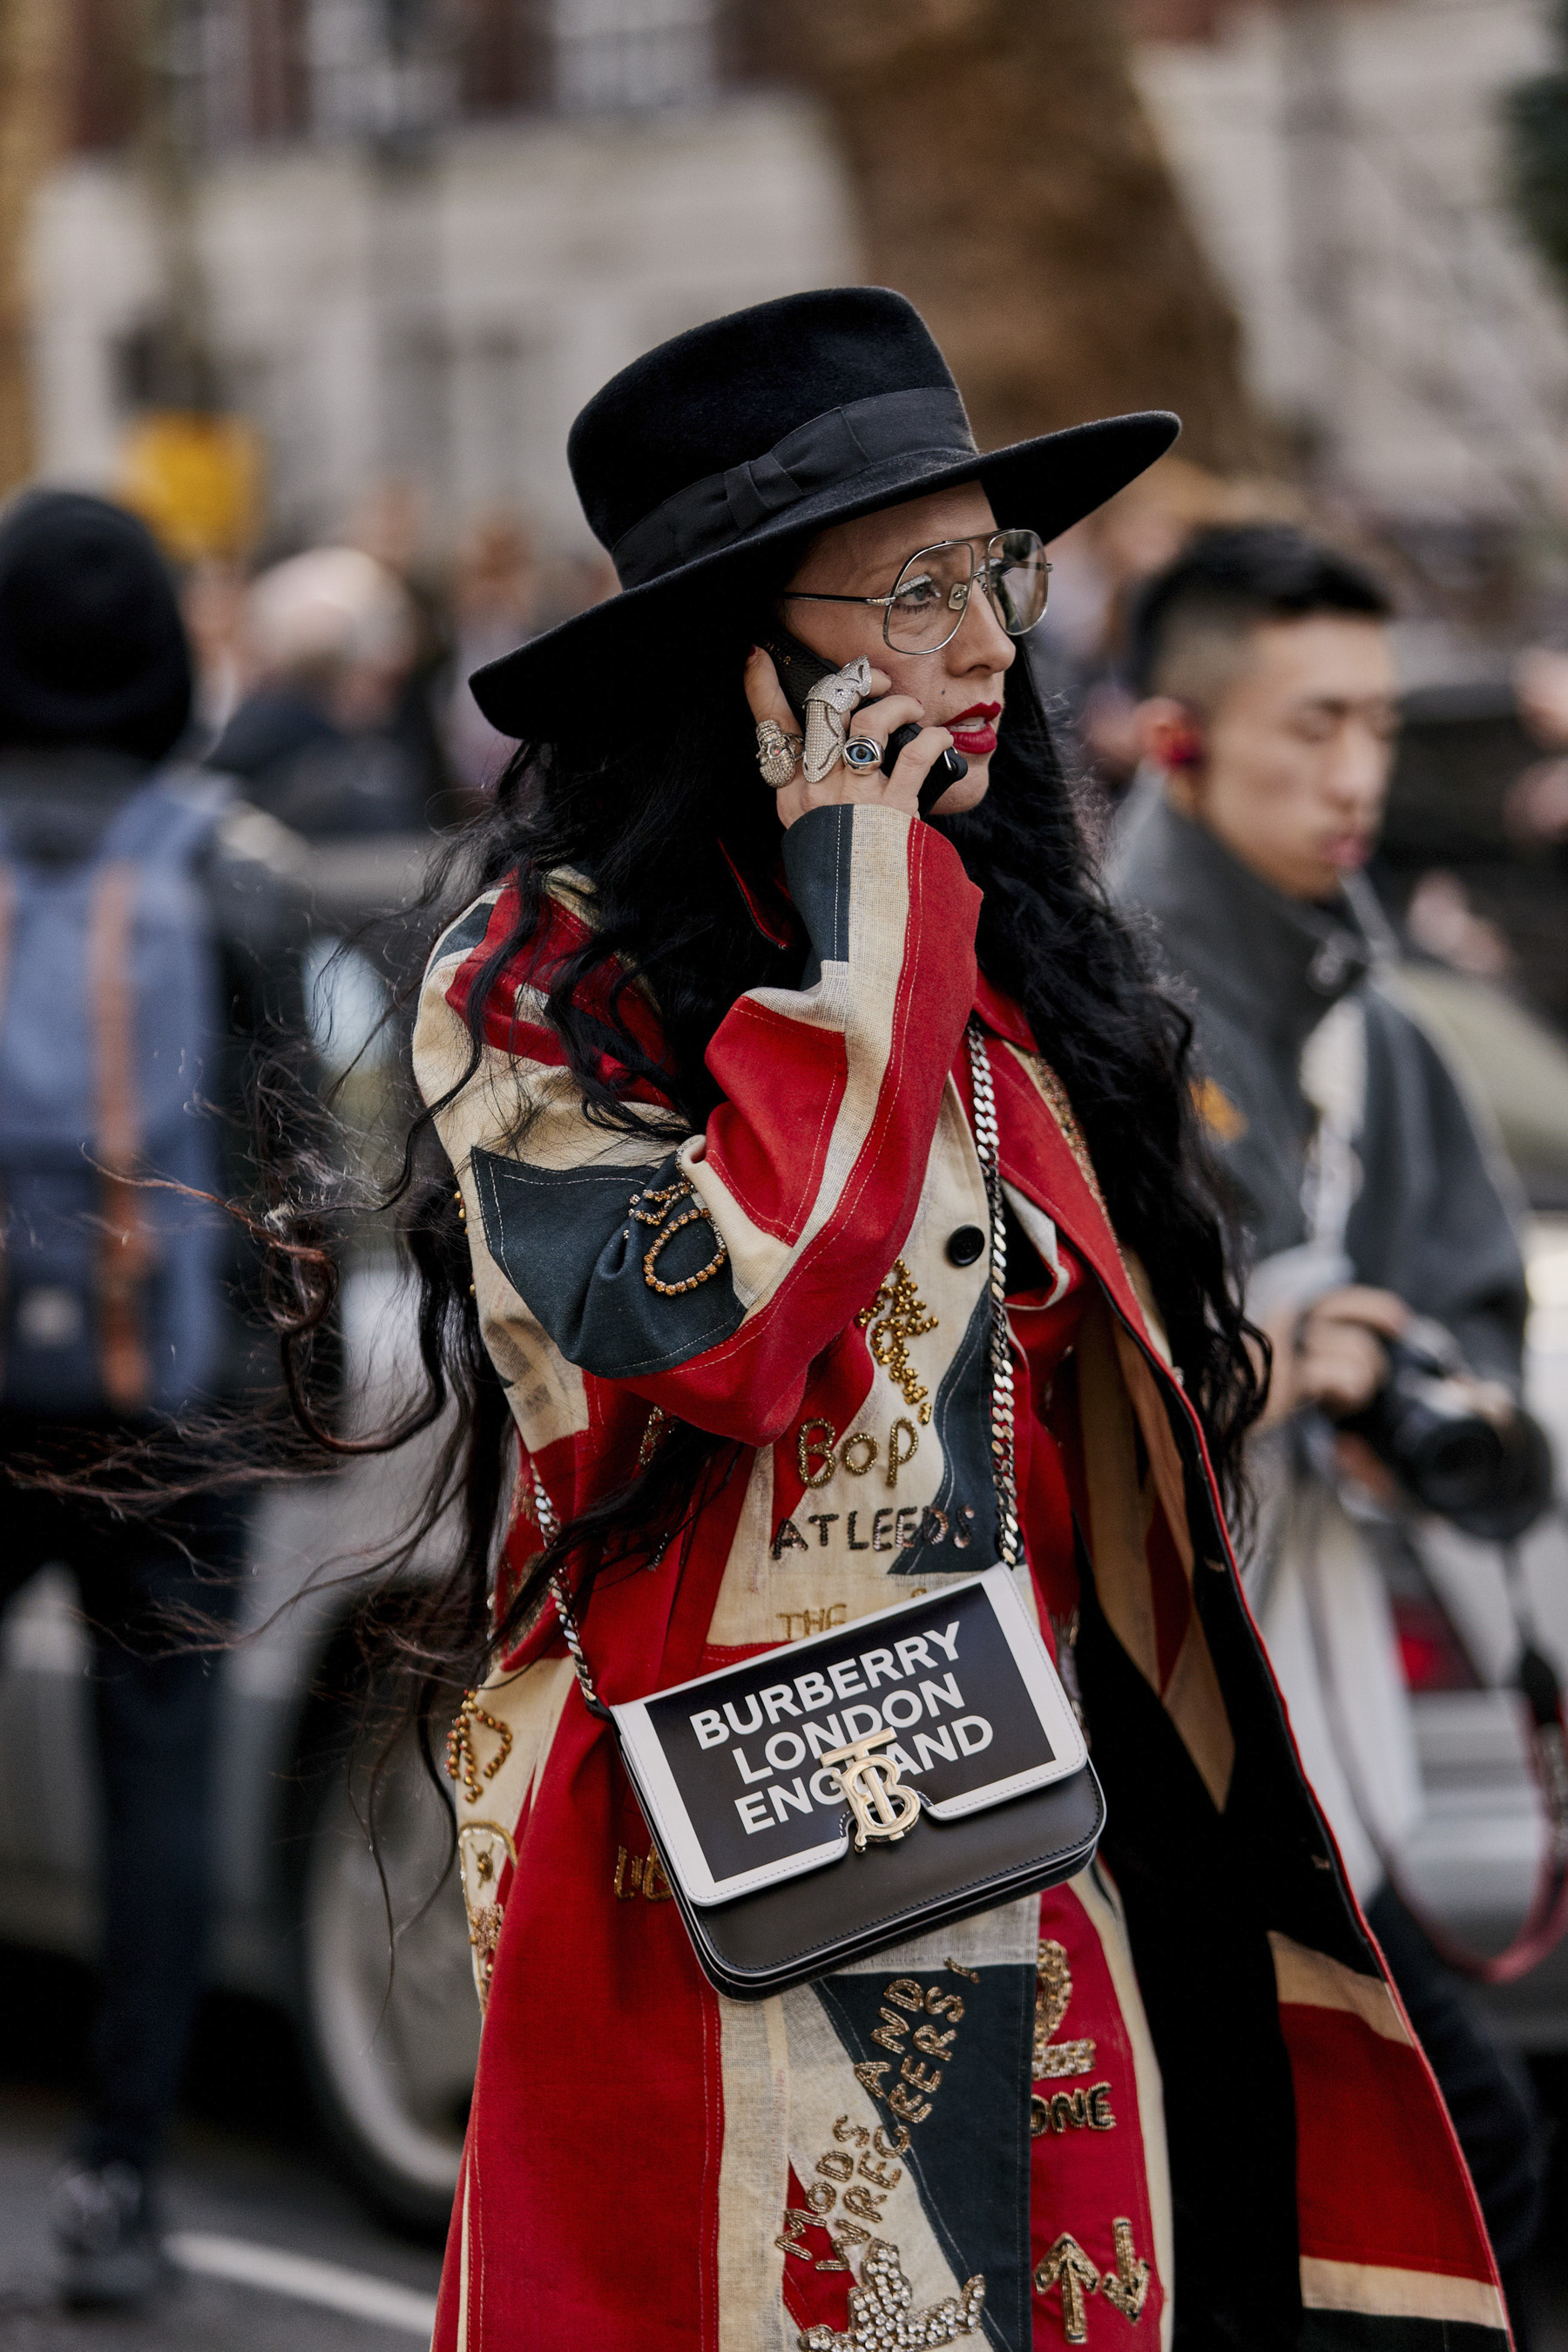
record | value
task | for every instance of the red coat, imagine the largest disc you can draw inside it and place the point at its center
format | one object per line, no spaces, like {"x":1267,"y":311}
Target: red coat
{"x":1183,"y":2077}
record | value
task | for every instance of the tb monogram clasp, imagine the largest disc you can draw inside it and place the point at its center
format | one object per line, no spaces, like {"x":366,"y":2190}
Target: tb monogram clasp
{"x":882,"y":1807}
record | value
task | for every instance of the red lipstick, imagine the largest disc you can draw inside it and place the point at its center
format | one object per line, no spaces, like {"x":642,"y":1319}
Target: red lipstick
{"x":978,"y":740}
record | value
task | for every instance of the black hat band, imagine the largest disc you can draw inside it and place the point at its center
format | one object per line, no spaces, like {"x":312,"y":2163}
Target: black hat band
{"x":825,"y":453}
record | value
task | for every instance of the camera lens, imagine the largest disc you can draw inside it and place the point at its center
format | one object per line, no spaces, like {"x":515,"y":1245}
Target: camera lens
{"x":1457,"y":1465}
{"x":1491,"y":1479}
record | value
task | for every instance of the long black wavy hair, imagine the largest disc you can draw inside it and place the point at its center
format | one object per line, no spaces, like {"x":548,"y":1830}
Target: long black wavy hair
{"x":668,"y":819}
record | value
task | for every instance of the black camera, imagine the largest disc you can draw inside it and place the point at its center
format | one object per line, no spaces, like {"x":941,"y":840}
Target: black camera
{"x":1489,"y":1473}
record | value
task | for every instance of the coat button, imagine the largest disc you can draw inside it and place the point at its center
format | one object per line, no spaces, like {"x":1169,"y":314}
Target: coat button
{"x":965,"y":1245}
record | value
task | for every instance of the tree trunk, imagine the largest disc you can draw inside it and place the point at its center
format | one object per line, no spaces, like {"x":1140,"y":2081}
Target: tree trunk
{"x":1011,"y":185}
{"x":30,"y":59}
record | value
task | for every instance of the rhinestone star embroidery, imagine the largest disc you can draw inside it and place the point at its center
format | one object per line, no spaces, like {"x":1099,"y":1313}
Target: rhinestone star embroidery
{"x":880,"y":2319}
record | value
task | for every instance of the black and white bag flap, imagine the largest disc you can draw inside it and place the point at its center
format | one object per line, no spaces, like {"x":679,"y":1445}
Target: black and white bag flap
{"x":729,"y":1767}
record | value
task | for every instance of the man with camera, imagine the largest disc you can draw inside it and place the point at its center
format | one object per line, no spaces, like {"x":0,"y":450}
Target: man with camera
{"x":1383,"y":1264}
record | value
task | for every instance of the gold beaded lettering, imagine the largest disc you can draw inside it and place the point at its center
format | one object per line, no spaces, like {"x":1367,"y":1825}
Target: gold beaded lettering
{"x":836,"y":2170}
{"x":812,"y":1620}
{"x":462,"y":1763}
{"x":806,"y":1446}
{"x":1071,"y":2111}
{"x":1053,"y":1992}
{"x":896,"y":1460}
{"x":895,"y":1316}
{"x":796,"y":2221}
{"x":640,"y":1874}
{"x":905,"y":1999}
{"x":651,"y":1208}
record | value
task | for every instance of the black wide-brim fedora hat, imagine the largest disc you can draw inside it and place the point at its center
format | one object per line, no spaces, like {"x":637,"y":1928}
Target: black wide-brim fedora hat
{"x":700,"y":463}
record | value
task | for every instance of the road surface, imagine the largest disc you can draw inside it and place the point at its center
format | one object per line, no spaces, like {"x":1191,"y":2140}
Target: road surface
{"x":273,"y":2251}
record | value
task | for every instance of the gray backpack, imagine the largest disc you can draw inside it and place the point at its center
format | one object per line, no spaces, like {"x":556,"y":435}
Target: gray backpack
{"x":110,"y":1019}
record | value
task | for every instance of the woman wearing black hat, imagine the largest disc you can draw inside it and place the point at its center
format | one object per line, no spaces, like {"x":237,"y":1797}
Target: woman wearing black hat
{"x":709,"y":1055}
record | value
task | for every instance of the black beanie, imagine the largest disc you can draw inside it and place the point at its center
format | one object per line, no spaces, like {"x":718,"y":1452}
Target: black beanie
{"x":92,"y":647}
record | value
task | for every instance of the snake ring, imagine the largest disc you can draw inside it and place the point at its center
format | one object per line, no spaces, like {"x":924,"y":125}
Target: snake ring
{"x":861,"y":752}
{"x":778,"y":754}
{"x":828,"y":708}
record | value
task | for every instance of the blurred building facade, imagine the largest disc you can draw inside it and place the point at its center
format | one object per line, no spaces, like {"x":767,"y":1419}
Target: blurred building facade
{"x":425,"y":234}
{"x":427,"y":229}
{"x":1344,"y":164}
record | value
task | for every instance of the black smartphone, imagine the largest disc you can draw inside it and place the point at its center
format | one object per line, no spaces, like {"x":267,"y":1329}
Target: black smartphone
{"x":800,"y":669}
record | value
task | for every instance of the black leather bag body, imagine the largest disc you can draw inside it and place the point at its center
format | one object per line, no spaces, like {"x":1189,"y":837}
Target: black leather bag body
{"x":824,"y":1800}
{"x":849,"y":1791}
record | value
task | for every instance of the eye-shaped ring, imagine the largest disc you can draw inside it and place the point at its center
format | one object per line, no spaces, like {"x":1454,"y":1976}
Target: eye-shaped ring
{"x":861,"y":752}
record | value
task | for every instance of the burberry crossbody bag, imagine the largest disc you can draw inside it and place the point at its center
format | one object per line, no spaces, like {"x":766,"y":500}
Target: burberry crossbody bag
{"x":840,"y":1853}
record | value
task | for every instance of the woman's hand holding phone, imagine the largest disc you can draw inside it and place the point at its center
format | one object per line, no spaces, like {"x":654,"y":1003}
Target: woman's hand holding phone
{"x":875,"y":719}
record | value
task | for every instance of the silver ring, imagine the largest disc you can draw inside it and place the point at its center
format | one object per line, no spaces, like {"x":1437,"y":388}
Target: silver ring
{"x":778,"y":755}
{"x":828,"y":708}
{"x":861,"y":752}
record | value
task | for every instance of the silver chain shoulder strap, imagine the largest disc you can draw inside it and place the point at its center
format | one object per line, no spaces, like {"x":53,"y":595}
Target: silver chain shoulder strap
{"x":1003,"y":1463}
{"x":1003,"y":1467}
{"x":566,"y":1615}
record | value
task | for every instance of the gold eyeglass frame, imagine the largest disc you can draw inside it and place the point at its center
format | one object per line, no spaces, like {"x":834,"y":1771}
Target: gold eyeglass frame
{"x":958,"y":595}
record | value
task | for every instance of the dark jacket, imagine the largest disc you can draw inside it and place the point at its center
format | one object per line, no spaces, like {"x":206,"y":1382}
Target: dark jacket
{"x":322,"y":782}
{"x":1258,"y":971}
{"x":54,"y":807}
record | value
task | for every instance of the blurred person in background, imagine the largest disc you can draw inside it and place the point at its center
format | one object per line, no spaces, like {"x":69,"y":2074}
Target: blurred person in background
{"x":1374,"y":1208}
{"x":320,"y":739}
{"x":213,"y":595}
{"x":495,"y":599}
{"x":152,"y":936}
{"x":391,"y":522}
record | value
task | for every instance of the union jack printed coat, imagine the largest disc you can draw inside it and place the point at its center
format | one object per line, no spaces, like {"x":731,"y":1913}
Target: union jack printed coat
{"x":1175,"y":2101}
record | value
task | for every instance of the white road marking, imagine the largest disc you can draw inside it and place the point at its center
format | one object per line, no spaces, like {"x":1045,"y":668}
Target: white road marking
{"x":297,"y":2275}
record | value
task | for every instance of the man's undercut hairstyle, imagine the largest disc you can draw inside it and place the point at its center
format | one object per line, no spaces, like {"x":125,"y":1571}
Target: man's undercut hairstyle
{"x":1191,"y":623}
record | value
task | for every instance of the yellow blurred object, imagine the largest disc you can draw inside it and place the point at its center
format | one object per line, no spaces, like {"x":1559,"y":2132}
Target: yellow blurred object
{"x":196,"y":480}
{"x":1217,"y":1112}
